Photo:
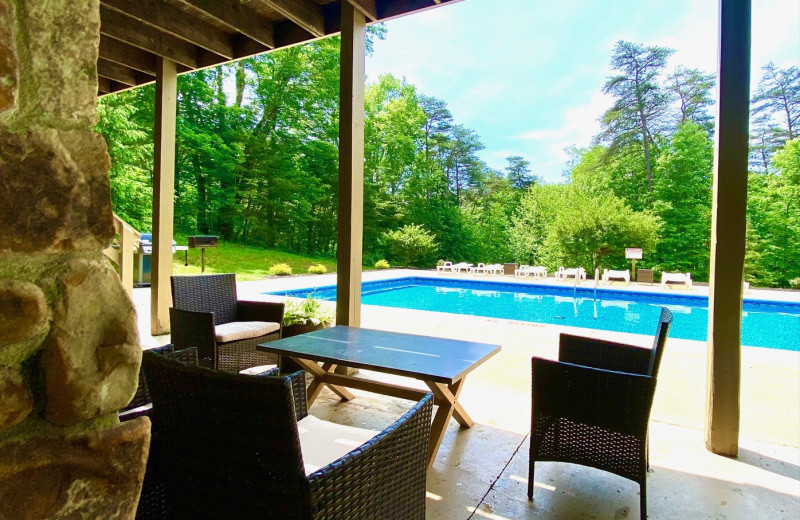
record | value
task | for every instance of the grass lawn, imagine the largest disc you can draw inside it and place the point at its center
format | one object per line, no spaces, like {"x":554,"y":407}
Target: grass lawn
{"x":249,"y":263}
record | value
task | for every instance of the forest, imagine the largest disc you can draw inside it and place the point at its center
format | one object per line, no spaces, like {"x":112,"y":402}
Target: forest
{"x":257,"y":163}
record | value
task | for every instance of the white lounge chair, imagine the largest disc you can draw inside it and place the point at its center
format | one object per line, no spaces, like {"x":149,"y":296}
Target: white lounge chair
{"x":462,"y":266}
{"x":537,"y":271}
{"x":522,"y":270}
{"x":479,"y":269}
{"x":447,"y":266}
{"x":611,"y":274}
{"x":676,"y":279}
{"x":494,"y":268}
{"x":578,"y":273}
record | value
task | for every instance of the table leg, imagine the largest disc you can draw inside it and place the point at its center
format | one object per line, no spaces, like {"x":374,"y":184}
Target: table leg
{"x":447,"y":399}
{"x":319,"y":380}
{"x":186,"y":257}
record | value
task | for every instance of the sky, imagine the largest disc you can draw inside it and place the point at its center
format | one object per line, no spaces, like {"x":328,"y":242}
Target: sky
{"x":527,"y":75}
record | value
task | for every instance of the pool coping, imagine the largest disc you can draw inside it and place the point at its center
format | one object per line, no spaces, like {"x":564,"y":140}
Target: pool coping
{"x":584,"y":289}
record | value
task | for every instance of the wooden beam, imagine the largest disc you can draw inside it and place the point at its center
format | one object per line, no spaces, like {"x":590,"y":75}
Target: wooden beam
{"x":351,"y":167}
{"x":304,"y":13}
{"x":103,"y":85}
{"x":177,"y":22}
{"x":126,"y":29}
{"x":163,"y":194}
{"x":367,"y":8}
{"x":116,"y":72}
{"x":238,"y":17}
{"x":127,"y":55}
{"x":728,"y":227}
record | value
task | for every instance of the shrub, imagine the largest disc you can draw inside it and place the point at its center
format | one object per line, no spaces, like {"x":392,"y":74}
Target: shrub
{"x":280,"y":269}
{"x":310,"y":309}
{"x":411,"y":242}
{"x":440,"y":262}
{"x":382,"y":264}
{"x":795,"y":283}
{"x":317,"y":269}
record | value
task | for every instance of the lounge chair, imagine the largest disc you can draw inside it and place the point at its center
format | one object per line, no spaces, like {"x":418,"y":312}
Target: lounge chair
{"x":611,"y":274}
{"x":447,"y":266}
{"x":578,"y":273}
{"x":478,"y":269}
{"x":537,"y":271}
{"x":676,"y":279}
{"x":495,"y":268}
{"x":457,"y":268}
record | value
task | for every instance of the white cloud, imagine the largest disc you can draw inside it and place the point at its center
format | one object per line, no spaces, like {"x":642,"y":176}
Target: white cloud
{"x":580,"y":123}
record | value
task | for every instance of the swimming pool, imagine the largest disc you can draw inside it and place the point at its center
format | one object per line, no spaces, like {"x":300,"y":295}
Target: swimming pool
{"x":764,"y":323}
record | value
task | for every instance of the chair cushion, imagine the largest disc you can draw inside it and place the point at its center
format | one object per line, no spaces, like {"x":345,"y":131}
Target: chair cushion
{"x":239,"y":330}
{"x":322,"y":442}
{"x":258,"y":370}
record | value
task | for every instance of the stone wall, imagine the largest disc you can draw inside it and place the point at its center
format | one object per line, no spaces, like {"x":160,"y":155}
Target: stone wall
{"x":69,"y":348}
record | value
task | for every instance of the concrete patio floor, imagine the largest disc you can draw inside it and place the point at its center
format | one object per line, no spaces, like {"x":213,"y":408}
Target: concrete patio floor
{"x":481,"y":472}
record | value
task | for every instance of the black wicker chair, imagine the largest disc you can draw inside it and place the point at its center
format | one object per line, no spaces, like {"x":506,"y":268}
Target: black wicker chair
{"x":200,"y":304}
{"x":592,"y":407}
{"x":231,"y":449}
{"x":153,"y":500}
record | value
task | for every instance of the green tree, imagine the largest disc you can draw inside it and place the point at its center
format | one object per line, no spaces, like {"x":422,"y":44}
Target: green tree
{"x":126,"y":122}
{"x":693,"y":90}
{"x":683,"y":202}
{"x":532,"y":221}
{"x":411,"y":242}
{"x":641,"y":104}
{"x":518,"y":172}
{"x":773,"y":215}
{"x":593,"y":231}
{"x":778,"y":94}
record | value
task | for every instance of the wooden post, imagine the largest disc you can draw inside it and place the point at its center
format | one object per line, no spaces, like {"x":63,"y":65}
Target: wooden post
{"x":163,"y":194}
{"x":728,"y":226}
{"x":351,"y":167}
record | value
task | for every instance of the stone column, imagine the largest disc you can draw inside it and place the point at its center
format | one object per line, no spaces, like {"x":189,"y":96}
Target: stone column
{"x":69,"y":347}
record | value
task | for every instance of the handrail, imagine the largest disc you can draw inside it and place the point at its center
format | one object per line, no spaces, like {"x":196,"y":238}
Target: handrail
{"x":121,"y":250}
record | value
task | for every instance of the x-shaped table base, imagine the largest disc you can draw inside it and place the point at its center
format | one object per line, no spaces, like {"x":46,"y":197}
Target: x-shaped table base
{"x":445,"y":396}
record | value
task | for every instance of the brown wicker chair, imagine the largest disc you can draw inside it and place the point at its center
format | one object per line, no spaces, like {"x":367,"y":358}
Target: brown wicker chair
{"x":202,"y":303}
{"x":592,"y":407}
{"x":153,"y":500}
{"x":231,"y":449}
{"x":153,"y":503}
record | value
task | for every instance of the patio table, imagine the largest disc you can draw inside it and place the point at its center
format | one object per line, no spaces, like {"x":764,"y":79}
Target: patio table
{"x":442,"y":364}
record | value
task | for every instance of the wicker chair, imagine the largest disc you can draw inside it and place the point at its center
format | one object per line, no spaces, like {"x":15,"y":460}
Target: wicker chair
{"x":201,"y":304}
{"x":231,"y":448}
{"x":592,"y":407}
{"x":153,"y":500}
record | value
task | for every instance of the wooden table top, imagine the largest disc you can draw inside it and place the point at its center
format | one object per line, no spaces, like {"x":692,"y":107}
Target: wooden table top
{"x":421,"y":357}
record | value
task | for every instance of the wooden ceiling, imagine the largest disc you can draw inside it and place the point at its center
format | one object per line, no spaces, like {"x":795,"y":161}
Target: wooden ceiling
{"x":203,"y":33}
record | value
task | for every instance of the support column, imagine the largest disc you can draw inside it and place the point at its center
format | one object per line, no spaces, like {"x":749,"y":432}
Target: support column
{"x":728,"y":229}
{"x":351,"y":167}
{"x":163,"y":195}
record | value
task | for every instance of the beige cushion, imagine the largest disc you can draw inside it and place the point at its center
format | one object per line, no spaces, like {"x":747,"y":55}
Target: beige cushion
{"x":322,"y":442}
{"x":239,"y":330}
{"x":254,"y":371}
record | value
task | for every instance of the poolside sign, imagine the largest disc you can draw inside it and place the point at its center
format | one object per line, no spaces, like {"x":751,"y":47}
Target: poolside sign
{"x":633,"y":253}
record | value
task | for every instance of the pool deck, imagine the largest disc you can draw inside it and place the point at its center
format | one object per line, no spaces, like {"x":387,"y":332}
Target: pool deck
{"x":481,"y":472}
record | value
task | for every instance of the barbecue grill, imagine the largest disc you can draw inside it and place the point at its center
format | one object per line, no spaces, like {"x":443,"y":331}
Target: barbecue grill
{"x":143,"y":253}
{"x":202,"y":242}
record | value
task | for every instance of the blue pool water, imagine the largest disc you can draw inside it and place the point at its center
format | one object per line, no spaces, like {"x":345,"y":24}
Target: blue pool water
{"x":764,"y":323}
